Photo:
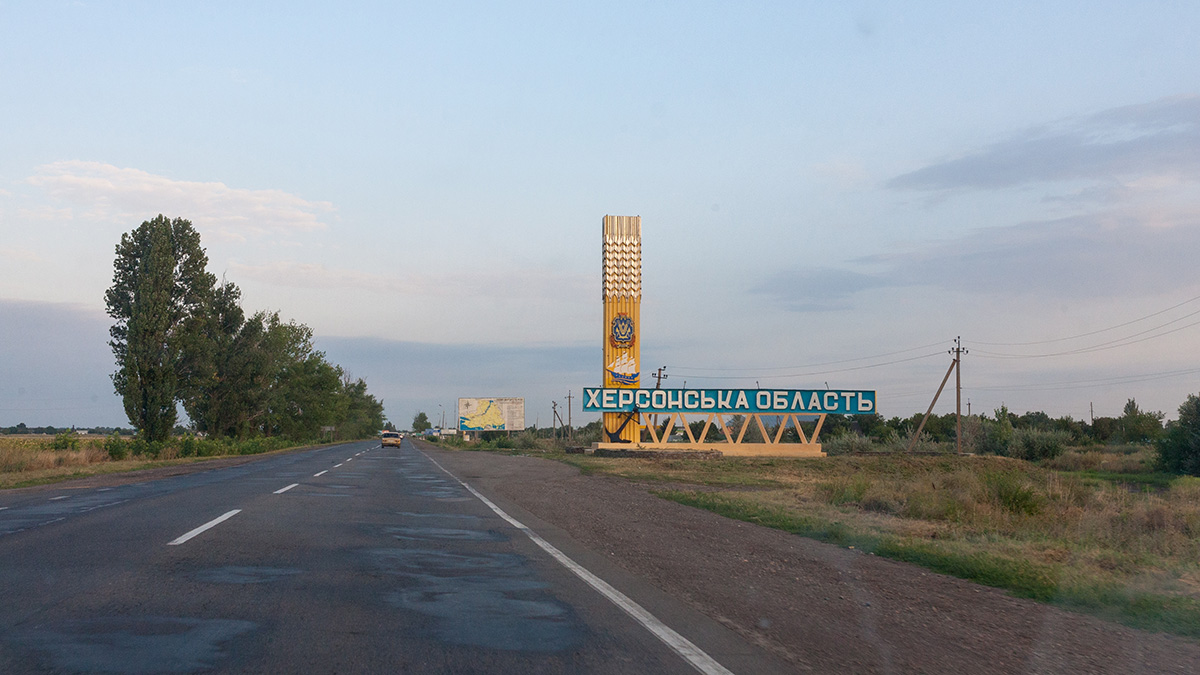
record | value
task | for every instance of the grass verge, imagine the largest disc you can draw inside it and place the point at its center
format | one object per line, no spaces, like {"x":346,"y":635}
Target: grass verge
{"x":31,"y":461}
{"x":1120,"y":545}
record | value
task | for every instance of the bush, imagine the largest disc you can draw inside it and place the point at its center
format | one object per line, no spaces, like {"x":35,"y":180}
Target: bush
{"x":67,"y":440}
{"x":116,"y":447}
{"x":1033,"y":444}
{"x":846,"y":443}
{"x":188,"y":446}
{"x":1179,"y":450}
{"x":996,"y":436}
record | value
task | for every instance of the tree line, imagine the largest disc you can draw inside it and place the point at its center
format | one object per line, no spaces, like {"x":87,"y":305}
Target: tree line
{"x":182,"y":339}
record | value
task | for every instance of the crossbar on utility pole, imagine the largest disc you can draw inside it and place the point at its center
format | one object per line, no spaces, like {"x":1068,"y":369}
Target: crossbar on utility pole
{"x":917,"y":434}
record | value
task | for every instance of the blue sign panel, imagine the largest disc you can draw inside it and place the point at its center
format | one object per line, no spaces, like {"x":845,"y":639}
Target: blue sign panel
{"x":735,"y":401}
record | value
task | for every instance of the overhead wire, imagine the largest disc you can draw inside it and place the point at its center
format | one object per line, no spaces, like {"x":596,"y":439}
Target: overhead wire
{"x":1090,"y":333}
{"x":686,"y":370}
{"x":810,"y":373}
{"x":1111,"y":344}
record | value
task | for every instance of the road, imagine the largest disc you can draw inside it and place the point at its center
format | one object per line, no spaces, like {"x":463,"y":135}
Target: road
{"x":351,"y":558}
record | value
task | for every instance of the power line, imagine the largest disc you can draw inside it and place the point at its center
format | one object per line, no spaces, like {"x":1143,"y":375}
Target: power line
{"x":1083,"y":384}
{"x":1095,"y":332}
{"x":686,"y":369}
{"x":817,"y":372}
{"x":1112,"y":344}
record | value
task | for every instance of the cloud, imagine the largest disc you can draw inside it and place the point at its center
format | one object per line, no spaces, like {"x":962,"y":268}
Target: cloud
{"x":816,"y":289}
{"x":108,"y":192}
{"x":1161,"y":138}
{"x":524,"y":283}
{"x":416,"y":376}
{"x":55,"y":366}
{"x":11,"y":254}
{"x":1104,"y":255}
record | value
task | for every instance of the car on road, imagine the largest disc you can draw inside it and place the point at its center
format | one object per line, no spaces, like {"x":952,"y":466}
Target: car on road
{"x":390,"y":438}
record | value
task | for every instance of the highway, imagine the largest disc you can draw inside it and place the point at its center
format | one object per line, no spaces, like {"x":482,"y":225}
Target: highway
{"x":346,"y":559}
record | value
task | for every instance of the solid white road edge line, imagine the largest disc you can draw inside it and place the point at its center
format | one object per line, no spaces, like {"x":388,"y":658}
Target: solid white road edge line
{"x":319,"y":473}
{"x":681,"y":645}
{"x":207,"y":526}
{"x":283,"y":490}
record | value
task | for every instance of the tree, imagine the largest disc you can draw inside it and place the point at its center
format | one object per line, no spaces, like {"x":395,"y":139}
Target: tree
{"x":159,"y":293}
{"x":1138,"y":426}
{"x":1179,"y":450}
{"x":421,"y":423}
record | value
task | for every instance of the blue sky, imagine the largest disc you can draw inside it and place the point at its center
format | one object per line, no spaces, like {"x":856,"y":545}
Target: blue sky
{"x":830,"y":192}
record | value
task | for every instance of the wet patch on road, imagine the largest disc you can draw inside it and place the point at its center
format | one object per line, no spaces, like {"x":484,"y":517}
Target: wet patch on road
{"x":135,"y":645}
{"x":233,"y":574}
{"x":458,"y":518}
{"x":491,"y":600}
{"x":507,"y":614}
{"x":444,"y":533}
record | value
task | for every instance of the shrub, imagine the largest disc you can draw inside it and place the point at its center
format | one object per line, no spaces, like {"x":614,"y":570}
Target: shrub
{"x":1179,"y":450}
{"x":1034,"y":444}
{"x":117,"y":447}
{"x":68,"y":440}
{"x":188,"y":446}
{"x":1012,"y":492}
{"x":995,"y":437}
{"x":846,"y":443}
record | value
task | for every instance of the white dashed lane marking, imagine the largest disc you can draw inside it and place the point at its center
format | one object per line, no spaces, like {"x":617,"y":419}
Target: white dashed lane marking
{"x":207,"y":526}
{"x":283,"y":490}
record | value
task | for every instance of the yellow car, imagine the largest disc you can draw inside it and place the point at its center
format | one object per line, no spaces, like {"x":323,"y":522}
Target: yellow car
{"x":390,"y":438}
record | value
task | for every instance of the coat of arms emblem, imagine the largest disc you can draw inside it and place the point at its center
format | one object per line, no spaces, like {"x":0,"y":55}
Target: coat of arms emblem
{"x":622,"y":335}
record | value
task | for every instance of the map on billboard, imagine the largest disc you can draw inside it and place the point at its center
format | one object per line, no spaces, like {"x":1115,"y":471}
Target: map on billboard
{"x":491,"y":414}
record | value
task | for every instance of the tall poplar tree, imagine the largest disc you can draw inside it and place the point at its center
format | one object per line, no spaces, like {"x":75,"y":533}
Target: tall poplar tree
{"x":160,"y":292}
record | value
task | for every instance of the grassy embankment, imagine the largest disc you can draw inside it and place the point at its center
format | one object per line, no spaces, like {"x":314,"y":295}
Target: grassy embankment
{"x":1096,"y":530}
{"x":36,"y":460}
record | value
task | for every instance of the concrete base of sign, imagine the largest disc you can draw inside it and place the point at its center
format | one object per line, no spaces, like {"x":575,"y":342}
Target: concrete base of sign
{"x":726,"y":449}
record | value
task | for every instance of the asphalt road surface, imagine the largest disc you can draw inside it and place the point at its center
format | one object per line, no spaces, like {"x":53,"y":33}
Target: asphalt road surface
{"x":347,"y":559}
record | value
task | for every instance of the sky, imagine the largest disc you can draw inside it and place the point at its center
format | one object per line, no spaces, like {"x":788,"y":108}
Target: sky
{"x":830,"y":193}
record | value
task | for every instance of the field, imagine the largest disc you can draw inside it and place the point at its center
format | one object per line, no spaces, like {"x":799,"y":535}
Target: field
{"x":35,"y":460}
{"x":1093,"y":530}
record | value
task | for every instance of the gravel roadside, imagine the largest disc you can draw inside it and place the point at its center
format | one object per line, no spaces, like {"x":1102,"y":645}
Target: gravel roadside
{"x":820,"y":607}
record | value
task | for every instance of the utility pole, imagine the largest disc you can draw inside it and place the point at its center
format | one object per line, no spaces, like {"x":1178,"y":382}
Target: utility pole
{"x":958,"y":351}
{"x":554,"y":418}
{"x":659,"y":376}
{"x":570,"y":431}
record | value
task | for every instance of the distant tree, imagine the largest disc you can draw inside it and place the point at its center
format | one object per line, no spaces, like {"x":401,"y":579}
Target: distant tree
{"x":1034,"y":420}
{"x":159,"y":293}
{"x":1104,"y":429}
{"x":1139,"y":426}
{"x":360,"y":415}
{"x":1179,"y":449}
{"x":421,"y":423}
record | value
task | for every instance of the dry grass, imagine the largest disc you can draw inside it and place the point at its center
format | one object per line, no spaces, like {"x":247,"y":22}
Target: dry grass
{"x":31,"y":460}
{"x":1072,"y":539}
{"x":34,"y":453}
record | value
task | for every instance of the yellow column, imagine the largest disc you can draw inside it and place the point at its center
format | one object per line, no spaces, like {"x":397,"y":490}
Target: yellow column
{"x":622,"y":314}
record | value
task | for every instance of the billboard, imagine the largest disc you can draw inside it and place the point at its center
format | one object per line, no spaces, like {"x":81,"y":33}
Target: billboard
{"x":491,"y":414}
